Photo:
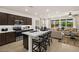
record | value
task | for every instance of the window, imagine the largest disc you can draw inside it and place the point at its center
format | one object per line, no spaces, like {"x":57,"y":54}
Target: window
{"x":57,"y":23}
{"x":52,"y":23}
{"x":64,"y":23}
{"x":69,"y":22}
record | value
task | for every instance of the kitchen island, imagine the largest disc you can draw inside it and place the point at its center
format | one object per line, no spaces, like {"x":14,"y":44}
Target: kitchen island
{"x":30,"y":35}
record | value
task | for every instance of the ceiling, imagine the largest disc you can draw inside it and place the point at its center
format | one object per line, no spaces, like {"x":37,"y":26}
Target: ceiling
{"x":43,"y":11}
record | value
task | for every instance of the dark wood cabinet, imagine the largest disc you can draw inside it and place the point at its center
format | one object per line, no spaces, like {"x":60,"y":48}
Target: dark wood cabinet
{"x":11,"y":19}
{"x":2,"y":39}
{"x":6,"y":38}
{"x":18,"y":17}
{"x":10,"y":37}
{"x":3,"y":19}
{"x":24,"y":20}
{"x":29,"y":21}
{"x":25,"y":41}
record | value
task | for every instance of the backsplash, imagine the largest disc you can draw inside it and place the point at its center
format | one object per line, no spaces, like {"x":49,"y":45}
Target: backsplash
{"x":10,"y":27}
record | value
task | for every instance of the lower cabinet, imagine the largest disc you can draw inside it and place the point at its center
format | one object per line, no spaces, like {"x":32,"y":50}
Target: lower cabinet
{"x":25,"y":41}
{"x":29,"y":21}
{"x":6,"y":38}
{"x":10,"y":37}
{"x":2,"y":39}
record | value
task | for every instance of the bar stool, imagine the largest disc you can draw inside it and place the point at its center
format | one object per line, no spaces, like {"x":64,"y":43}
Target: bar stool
{"x":39,"y":45}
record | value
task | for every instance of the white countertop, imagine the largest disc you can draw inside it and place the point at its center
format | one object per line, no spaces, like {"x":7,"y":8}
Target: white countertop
{"x":11,"y":31}
{"x":35,"y":34}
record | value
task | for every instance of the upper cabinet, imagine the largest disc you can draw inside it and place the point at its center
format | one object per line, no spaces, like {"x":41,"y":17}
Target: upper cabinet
{"x":18,"y":17}
{"x":3,"y":18}
{"x":29,"y":21}
{"x":9,"y":19}
{"x":24,"y":20}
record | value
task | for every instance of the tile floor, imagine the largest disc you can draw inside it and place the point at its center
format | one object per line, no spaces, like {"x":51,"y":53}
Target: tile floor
{"x":61,"y":47}
{"x":73,"y":42}
{"x":55,"y":47}
{"x":13,"y":47}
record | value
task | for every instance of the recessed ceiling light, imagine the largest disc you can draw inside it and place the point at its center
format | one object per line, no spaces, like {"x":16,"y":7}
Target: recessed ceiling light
{"x":26,"y":9}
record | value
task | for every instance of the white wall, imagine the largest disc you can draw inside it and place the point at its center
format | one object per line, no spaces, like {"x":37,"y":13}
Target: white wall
{"x":76,"y":21}
{"x":14,"y":12}
{"x":48,"y":23}
{"x":34,"y":22}
{"x":43,"y":22}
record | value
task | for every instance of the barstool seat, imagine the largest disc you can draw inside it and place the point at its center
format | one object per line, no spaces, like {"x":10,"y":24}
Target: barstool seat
{"x":40,"y":44}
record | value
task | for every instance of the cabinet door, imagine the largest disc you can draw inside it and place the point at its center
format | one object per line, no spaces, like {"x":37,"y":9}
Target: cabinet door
{"x":29,"y":21}
{"x":24,"y":20}
{"x":11,"y":20}
{"x":18,"y":17}
{"x":10,"y":37}
{"x":2,"y":39}
{"x":3,"y":18}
